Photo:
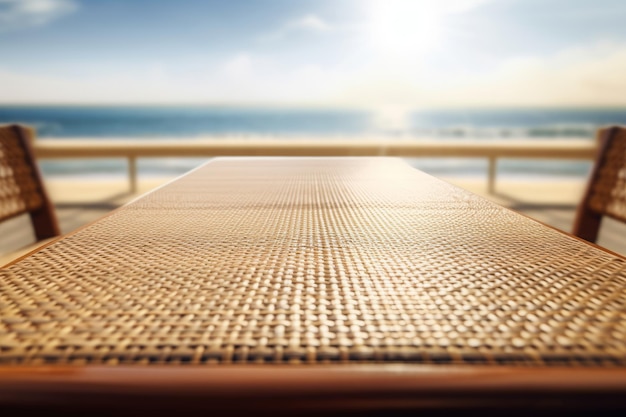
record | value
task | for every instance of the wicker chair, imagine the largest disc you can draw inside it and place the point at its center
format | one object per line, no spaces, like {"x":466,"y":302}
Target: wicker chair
{"x":21,"y":187}
{"x":606,"y":190}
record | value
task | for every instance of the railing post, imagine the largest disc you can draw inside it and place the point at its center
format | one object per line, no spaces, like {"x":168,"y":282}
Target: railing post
{"x":491,"y":185}
{"x":132,"y":173}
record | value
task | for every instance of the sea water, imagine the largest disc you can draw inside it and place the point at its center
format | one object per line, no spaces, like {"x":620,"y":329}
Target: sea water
{"x":188,"y":122}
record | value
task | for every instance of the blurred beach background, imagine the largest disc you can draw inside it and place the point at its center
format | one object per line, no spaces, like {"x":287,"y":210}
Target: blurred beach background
{"x":172,"y":123}
{"x":470,"y":70}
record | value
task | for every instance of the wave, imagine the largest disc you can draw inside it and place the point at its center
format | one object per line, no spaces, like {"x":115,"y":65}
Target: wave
{"x":192,"y":122}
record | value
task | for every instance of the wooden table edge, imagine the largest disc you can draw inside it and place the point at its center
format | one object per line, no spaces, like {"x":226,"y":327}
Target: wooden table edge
{"x":315,"y":387}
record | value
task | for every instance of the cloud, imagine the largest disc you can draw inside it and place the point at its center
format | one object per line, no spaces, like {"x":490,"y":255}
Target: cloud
{"x":238,"y":65}
{"x":586,"y":76}
{"x":310,"y":23}
{"x":153,"y":84}
{"x":591,"y":75}
{"x":19,"y":14}
{"x":432,"y":7}
{"x":242,"y":78}
{"x":460,"y":6}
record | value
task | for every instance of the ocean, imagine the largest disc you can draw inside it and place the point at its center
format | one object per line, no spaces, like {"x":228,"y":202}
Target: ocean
{"x":187,"y":122}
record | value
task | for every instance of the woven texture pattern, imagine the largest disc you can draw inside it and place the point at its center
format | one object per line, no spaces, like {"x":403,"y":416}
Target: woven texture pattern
{"x":19,"y":192}
{"x":608,"y":195}
{"x":314,"y":261}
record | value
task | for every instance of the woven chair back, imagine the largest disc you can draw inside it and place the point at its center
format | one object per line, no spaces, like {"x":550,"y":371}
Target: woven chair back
{"x":21,"y":187}
{"x":606,"y":191}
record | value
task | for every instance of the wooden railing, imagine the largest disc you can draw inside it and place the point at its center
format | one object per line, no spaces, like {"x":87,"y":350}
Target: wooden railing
{"x":492,"y":150}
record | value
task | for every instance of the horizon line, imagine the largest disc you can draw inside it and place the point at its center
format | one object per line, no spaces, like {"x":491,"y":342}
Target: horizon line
{"x":285,"y":106}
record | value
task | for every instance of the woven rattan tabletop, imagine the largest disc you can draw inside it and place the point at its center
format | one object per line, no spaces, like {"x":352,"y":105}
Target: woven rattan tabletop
{"x":315,"y":261}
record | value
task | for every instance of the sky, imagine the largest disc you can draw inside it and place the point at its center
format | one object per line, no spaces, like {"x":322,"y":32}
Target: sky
{"x":339,"y":53}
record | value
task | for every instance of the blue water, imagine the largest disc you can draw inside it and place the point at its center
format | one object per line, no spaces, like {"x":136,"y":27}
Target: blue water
{"x":168,"y":122}
{"x":184,"y":122}
{"x":154,"y":123}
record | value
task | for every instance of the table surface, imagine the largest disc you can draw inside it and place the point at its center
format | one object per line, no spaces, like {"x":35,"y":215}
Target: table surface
{"x":332,"y":266}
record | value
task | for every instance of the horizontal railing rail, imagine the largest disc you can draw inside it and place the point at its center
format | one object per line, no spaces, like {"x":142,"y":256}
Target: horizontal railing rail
{"x":572,"y":149}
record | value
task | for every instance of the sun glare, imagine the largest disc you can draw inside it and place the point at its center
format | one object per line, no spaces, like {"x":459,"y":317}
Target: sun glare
{"x":392,"y":119}
{"x":404,"y":27}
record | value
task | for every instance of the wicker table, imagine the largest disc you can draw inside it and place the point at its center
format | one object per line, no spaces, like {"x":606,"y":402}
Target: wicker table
{"x":336,"y":284}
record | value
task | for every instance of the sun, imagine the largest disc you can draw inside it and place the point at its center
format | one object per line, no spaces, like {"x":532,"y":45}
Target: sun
{"x":404,"y":27}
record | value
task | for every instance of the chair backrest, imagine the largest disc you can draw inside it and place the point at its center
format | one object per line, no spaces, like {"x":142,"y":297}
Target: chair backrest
{"x":606,"y":190}
{"x":21,"y":186}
